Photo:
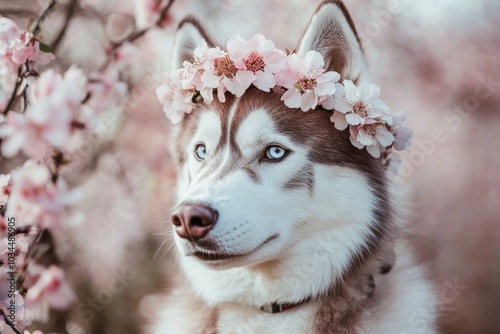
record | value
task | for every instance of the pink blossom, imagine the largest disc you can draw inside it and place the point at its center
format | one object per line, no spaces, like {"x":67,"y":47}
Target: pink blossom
{"x":175,"y":100}
{"x":51,"y":290}
{"x":212,"y":69}
{"x":147,"y":12}
{"x":356,"y":105}
{"x":191,"y":74}
{"x":306,"y":81}
{"x":256,"y":58}
{"x":35,"y":200}
{"x":5,"y":188}
{"x":4,"y":98}
{"x":22,"y":242}
{"x":51,"y":117}
{"x":376,"y":137}
{"x":8,"y":69}
{"x":402,"y":136}
{"x":367,"y":116}
{"x":18,"y":300}
{"x":8,"y":32}
{"x":106,"y":90}
{"x":27,"y":48}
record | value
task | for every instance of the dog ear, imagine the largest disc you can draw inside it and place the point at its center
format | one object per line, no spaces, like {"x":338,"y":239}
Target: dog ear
{"x":189,"y":35}
{"x":331,"y":32}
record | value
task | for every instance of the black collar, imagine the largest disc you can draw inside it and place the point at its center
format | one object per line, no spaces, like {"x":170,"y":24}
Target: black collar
{"x":279,"y":308}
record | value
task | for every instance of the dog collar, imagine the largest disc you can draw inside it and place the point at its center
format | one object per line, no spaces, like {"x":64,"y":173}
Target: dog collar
{"x":279,"y":308}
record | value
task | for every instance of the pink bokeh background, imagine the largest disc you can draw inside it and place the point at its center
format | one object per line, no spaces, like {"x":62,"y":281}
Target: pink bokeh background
{"x":429,"y":57}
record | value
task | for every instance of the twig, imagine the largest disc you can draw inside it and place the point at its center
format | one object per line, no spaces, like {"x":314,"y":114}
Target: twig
{"x":35,"y":27}
{"x":19,"y":79}
{"x":138,"y":34}
{"x":17,"y":11}
{"x":69,"y":14}
{"x":8,"y":322}
{"x":23,"y":230}
{"x":25,"y":89}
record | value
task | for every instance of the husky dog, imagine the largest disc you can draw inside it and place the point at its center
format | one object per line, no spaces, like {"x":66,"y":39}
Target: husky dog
{"x":281,"y":224}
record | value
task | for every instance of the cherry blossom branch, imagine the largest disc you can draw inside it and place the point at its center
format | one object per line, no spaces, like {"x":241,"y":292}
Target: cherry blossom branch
{"x":17,"y":11}
{"x":12,"y":98}
{"x":69,"y":14}
{"x":138,"y":34}
{"x":9,"y":323}
{"x":142,"y":32}
{"x":35,"y":27}
{"x":25,"y":89}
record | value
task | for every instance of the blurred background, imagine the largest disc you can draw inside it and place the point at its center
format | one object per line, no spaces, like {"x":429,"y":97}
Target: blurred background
{"x":436,"y":59}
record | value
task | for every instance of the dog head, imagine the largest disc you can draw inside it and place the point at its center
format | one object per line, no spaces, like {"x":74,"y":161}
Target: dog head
{"x":261,"y":183}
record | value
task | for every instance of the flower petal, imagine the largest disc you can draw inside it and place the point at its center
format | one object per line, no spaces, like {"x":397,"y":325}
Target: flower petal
{"x":210,"y":80}
{"x":364,"y":138}
{"x":356,"y":143}
{"x":309,"y":101}
{"x":264,"y":81}
{"x":338,"y":119}
{"x":353,"y":119}
{"x":314,"y":60}
{"x":350,"y":91}
{"x":384,"y":136}
{"x":292,"y":98}
{"x":275,"y":61}
{"x":342,"y":105}
{"x":374,"y":150}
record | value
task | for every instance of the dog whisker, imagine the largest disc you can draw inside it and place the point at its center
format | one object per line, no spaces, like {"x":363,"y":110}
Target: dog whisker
{"x":158,"y":226}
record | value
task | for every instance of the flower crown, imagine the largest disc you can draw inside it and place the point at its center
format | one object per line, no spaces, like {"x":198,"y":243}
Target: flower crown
{"x":302,"y":81}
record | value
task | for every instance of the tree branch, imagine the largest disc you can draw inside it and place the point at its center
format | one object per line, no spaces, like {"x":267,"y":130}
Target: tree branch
{"x":17,"y":11}
{"x":138,"y":34}
{"x":8,"y":322}
{"x":69,"y":14}
{"x":35,"y":27}
{"x":19,"y":79}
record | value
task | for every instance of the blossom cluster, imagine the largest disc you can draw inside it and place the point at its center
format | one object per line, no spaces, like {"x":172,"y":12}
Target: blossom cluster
{"x":17,"y":47}
{"x":56,"y":111}
{"x":36,"y":201}
{"x":32,"y":202}
{"x":34,"y":198}
{"x":20,"y":46}
{"x":302,"y":80}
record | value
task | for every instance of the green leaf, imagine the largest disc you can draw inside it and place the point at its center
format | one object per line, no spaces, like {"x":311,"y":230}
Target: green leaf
{"x":45,"y":48}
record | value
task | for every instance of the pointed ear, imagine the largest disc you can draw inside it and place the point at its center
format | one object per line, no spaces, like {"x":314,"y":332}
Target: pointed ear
{"x":331,"y":32}
{"x":188,"y":37}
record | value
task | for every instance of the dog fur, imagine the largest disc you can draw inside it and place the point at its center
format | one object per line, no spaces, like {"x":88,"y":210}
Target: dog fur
{"x":319,"y":227}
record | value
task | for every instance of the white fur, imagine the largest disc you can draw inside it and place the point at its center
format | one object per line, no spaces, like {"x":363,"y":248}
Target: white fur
{"x":410,"y":302}
{"x":408,"y":307}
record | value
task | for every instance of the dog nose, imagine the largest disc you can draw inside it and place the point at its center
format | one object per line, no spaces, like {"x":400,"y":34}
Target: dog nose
{"x":193,"y":221}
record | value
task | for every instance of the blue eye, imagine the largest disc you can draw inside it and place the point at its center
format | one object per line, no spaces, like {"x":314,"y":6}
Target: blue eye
{"x":275,"y":152}
{"x":200,"y":152}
